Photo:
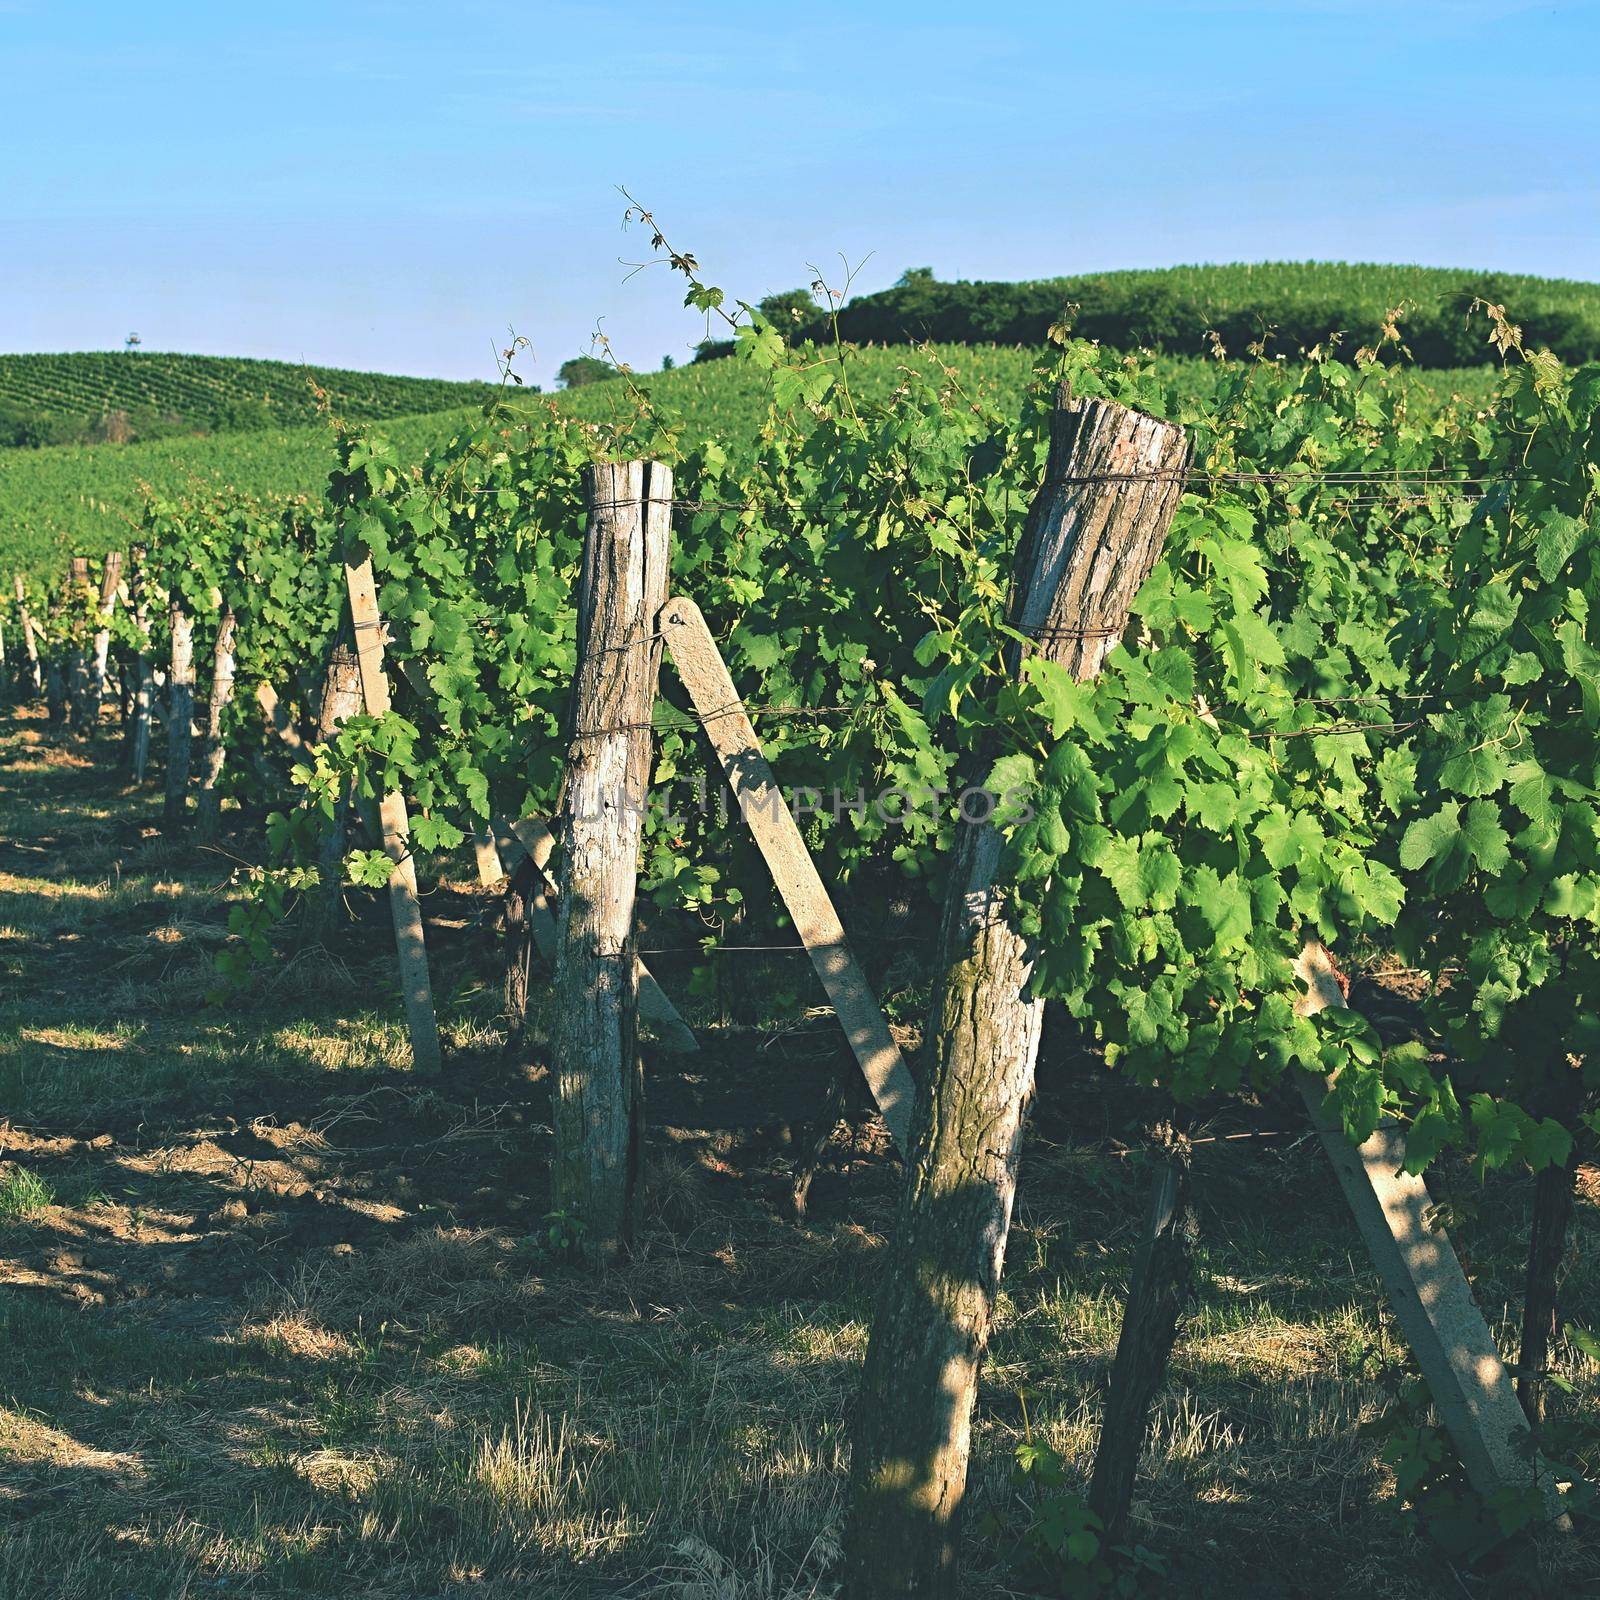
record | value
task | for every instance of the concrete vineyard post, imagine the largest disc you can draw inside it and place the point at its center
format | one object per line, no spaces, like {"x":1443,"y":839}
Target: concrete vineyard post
{"x":598,"y":1098}
{"x":214,"y":751}
{"x":766,"y":813}
{"x":180,"y":713}
{"x":416,"y":986}
{"x":1113,"y":481}
{"x":486,"y":856}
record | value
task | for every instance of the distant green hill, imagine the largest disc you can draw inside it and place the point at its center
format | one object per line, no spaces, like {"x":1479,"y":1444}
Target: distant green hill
{"x":122,"y":395}
{"x":1294,"y":305}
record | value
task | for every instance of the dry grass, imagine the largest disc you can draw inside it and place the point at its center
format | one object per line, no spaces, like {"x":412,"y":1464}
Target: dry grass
{"x":275,"y":1321}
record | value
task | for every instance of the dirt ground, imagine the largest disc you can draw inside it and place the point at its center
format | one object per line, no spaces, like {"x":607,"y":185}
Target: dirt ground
{"x":279,"y":1318}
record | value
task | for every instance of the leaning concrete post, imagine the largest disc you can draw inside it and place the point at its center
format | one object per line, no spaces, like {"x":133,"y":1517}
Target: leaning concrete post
{"x":1428,"y":1292}
{"x":777,"y":835}
{"x":594,"y":1044}
{"x":1096,"y":527}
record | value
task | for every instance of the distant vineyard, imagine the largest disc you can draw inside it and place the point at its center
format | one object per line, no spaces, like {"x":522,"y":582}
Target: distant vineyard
{"x":122,"y":395}
{"x":85,"y":495}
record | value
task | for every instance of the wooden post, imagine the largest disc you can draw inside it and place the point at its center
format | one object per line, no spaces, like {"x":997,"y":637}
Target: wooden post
{"x":180,"y":713}
{"x":30,"y":642}
{"x":110,"y":577}
{"x":410,"y":946}
{"x":341,"y":699}
{"x":145,"y":687}
{"x":1428,"y":1292}
{"x":1096,"y":527}
{"x":1158,"y":1292}
{"x":1553,"y":1201}
{"x":214,"y":751}
{"x":55,"y":692}
{"x":77,"y":671}
{"x":598,"y":1100}
{"x":767,"y":815}
{"x":656,"y":1010}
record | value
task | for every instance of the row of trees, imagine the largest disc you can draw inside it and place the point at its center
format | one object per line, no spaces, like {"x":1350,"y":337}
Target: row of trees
{"x":1177,"y":316}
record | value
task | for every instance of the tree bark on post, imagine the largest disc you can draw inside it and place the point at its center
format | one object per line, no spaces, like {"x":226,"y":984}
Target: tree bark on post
{"x":30,"y":642}
{"x":1160,"y":1289}
{"x":1113,"y":480}
{"x":110,"y":577}
{"x":145,"y":686}
{"x":180,"y":714}
{"x":214,"y":752}
{"x":1428,"y":1292}
{"x":1547,"y":1243}
{"x":598,"y":1100}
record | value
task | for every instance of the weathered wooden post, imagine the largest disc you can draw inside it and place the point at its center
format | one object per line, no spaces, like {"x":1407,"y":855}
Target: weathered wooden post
{"x":30,"y":642}
{"x":1553,"y":1205}
{"x":341,"y":700}
{"x":1158,"y":1294}
{"x":110,"y":577}
{"x":1096,"y":527}
{"x":214,"y":751}
{"x":144,"y":688}
{"x":598,"y":1101}
{"x":180,"y":713}
{"x":416,"y":987}
{"x":529,"y":839}
{"x":77,"y":671}
{"x":55,"y":680}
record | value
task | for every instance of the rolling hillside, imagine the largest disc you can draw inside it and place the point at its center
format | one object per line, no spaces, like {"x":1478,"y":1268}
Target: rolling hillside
{"x":94,"y":396}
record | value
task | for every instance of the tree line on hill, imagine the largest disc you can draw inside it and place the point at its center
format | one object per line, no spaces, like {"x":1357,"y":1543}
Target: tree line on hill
{"x":1136,"y":311}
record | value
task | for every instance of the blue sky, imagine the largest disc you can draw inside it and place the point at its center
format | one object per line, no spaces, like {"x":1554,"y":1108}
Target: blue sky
{"x":393,"y":185}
